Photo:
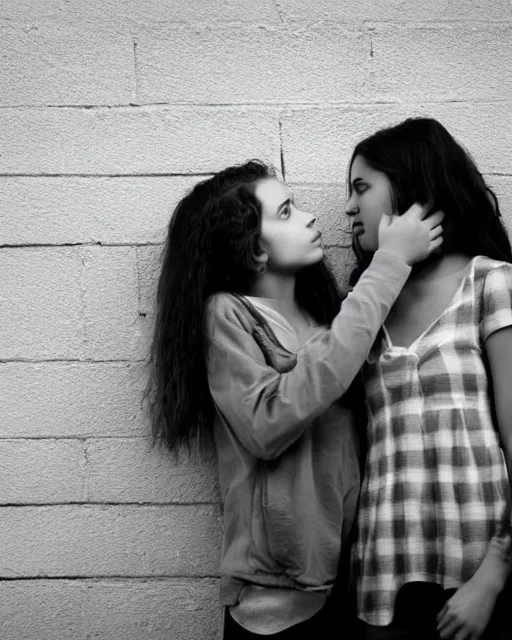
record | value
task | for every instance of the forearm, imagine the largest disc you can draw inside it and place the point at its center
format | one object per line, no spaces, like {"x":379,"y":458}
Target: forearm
{"x":497,"y":563}
{"x":496,"y":566}
{"x":328,"y":363}
{"x":270,"y":409}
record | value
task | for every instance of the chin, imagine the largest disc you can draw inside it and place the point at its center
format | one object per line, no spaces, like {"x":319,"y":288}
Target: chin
{"x":317,"y":255}
{"x":367,"y":247}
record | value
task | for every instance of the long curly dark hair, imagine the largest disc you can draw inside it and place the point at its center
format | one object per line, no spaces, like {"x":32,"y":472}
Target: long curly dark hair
{"x":212,"y":241}
{"x":424,"y":163}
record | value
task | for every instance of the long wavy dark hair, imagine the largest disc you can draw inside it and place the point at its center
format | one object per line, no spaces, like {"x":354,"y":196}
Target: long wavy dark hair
{"x":212,"y":241}
{"x":424,"y":163}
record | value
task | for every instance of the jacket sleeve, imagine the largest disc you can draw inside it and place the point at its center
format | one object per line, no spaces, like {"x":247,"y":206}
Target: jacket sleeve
{"x":268,"y":410}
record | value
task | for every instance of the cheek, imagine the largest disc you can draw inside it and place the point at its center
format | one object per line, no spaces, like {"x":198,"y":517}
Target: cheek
{"x":374,"y":209}
{"x":282,"y":238}
{"x":383,"y":202}
{"x":290,"y":248}
{"x":371,"y":224}
{"x":369,"y":239}
{"x":276,"y":245}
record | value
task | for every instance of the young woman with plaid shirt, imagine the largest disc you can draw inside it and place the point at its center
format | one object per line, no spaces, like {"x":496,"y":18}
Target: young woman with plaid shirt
{"x":433,"y":549}
{"x":254,"y":347}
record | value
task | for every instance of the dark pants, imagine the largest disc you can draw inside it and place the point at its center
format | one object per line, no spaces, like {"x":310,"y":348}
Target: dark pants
{"x":416,"y":608}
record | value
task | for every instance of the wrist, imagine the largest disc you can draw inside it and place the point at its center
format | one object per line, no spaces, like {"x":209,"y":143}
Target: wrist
{"x":390,"y":254}
{"x":495,"y":568}
{"x":398,"y":252}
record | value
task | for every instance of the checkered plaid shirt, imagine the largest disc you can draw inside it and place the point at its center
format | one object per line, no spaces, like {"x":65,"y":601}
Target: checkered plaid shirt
{"x":435,"y":488}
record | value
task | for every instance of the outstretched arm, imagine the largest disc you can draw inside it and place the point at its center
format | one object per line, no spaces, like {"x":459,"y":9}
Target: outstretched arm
{"x":269,"y":410}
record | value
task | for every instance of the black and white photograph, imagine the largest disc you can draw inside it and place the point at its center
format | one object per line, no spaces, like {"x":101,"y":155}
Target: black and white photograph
{"x":255,"y":320}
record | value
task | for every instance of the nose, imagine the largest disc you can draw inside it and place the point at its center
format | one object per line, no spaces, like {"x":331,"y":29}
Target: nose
{"x":311,"y":221}
{"x":350,"y":208}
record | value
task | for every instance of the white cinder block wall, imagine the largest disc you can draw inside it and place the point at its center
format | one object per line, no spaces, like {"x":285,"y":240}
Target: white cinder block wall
{"x":110,"y":110}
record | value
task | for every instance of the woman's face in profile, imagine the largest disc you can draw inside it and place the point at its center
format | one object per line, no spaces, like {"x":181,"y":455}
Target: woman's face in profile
{"x":370,"y":198}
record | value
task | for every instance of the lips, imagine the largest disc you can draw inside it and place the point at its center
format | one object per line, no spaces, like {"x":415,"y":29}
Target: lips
{"x":317,"y":237}
{"x":357,"y":228}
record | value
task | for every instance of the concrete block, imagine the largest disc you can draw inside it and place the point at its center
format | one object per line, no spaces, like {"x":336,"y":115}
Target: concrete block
{"x":194,"y":12}
{"x":253,"y":64}
{"x":448,"y":62}
{"x":149,"y":264}
{"x":318,"y":143}
{"x":28,"y":12}
{"x":127,"y":12}
{"x":70,"y":64}
{"x":42,"y":471}
{"x":77,"y":399}
{"x":114,"y":329}
{"x":129,"y":470}
{"x":150,"y":140}
{"x":116,"y":541}
{"x":327,"y":203}
{"x":123,"y":609}
{"x":341,"y":261}
{"x":72,"y":210}
{"x":40,"y":303}
{"x":154,"y":610}
{"x":395,"y":11}
{"x":42,"y":609}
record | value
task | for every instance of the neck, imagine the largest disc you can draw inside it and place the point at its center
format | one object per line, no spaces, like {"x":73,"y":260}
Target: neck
{"x":436,"y":268}
{"x":277,"y":286}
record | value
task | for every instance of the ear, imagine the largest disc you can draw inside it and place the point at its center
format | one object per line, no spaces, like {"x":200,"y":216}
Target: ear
{"x":261,"y":260}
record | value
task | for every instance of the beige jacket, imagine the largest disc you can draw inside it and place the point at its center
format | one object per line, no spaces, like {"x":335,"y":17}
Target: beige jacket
{"x":287,"y":447}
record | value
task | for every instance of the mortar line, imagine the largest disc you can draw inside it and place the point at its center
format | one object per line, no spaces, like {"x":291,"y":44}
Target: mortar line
{"x":115,"y":577}
{"x":135,"y":69}
{"x":281,"y":148}
{"x":58,"y":505}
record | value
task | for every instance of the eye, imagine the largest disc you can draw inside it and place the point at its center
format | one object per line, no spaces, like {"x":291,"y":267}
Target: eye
{"x":360,"y":188}
{"x":284,"y":213}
